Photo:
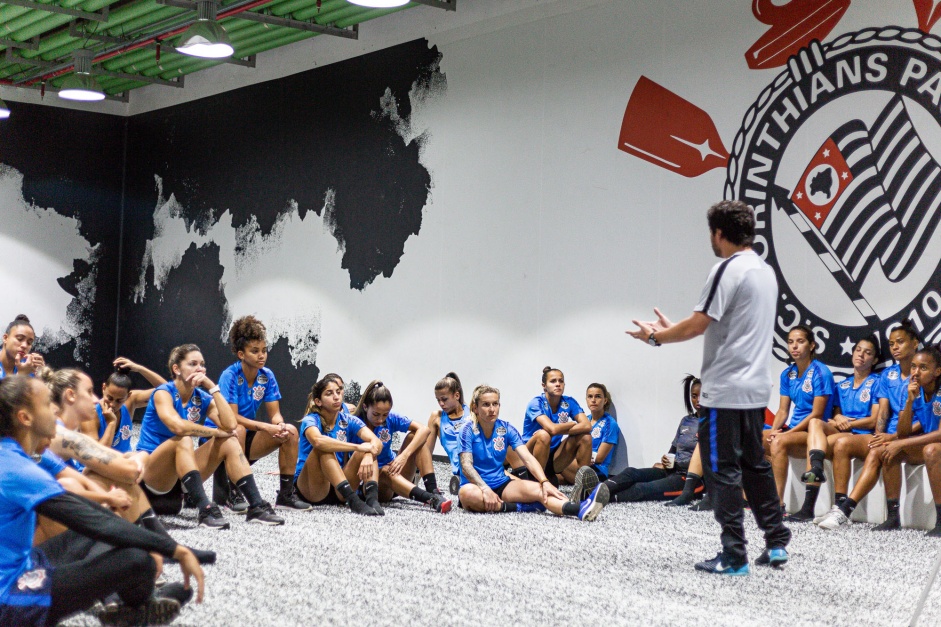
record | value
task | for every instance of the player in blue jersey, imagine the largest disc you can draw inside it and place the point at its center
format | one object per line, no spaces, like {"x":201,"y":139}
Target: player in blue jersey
{"x":855,"y":412}
{"x":375,"y":410}
{"x":179,"y":409}
{"x":485,"y":487}
{"x":16,"y":356}
{"x":248,"y":385}
{"x":807,"y":384}
{"x":45,"y":584}
{"x":605,"y":433}
{"x":330,"y":465}
{"x":445,"y":425}
{"x":918,"y":442}
{"x":556,"y":430}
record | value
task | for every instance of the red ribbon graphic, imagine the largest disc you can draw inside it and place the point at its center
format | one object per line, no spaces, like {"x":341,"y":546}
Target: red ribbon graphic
{"x":793,"y":26}
{"x":928,"y":13}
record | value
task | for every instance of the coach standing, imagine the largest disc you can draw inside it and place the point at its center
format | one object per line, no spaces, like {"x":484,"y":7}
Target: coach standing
{"x":736,"y":314}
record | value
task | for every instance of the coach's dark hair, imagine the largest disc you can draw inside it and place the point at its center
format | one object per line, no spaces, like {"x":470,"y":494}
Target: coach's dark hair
{"x":604,"y":391}
{"x":18,"y":321}
{"x":58,"y":381}
{"x":178,"y":355}
{"x":908,"y":327}
{"x":547,"y":370}
{"x":809,"y":336}
{"x":688,"y":382}
{"x":375,"y":392}
{"x":735,"y":219}
{"x":452,"y":384}
{"x":244,"y":330}
{"x":317,"y":390}
{"x":121,"y":377}
{"x":15,"y":394}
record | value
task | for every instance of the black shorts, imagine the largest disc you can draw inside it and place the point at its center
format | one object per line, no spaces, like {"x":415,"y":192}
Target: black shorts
{"x":331,"y":498}
{"x":549,"y":468}
{"x":497,"y":490}
{"x":166,"y":504}
{"x":249,"y":436}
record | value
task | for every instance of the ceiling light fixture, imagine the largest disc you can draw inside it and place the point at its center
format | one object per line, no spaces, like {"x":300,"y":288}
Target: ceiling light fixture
{"x":4,"y":110}
{"x":380,"y":4}
{"x":206,"y":38}
{"x":81,"y":85}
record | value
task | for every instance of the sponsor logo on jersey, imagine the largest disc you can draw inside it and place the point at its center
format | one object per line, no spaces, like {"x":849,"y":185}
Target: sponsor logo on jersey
{"x":792,"y":375}
{"x":258,"y":392}
{"x":197,"y":399}
{"x":564,"y":405}
{"x":261,"y":379}
{"x":385,"y":436}
{"x":499,"y":443}
{"x":343,"y":423}
{"x":846,"y":384}
{"x":869,"y":382}
{"x":475,"y":429}
{"x":501,"y":430}
{"x":32,"y":580}
{"x":893,"y":375}
{"x":241,"y":380}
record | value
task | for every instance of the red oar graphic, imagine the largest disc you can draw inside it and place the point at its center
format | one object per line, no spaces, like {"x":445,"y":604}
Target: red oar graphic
{"x":671,"y":132}
{"x":928,"y":13}
{"x":793,"y":26}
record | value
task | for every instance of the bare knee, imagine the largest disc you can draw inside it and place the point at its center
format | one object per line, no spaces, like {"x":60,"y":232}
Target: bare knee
{"x":933,"y":454}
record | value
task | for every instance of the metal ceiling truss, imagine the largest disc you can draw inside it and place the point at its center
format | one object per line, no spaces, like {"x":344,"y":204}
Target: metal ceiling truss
{"x":49,"y":52}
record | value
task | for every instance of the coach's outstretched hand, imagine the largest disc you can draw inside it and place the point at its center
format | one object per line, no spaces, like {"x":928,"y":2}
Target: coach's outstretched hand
{"x":644,"y":329}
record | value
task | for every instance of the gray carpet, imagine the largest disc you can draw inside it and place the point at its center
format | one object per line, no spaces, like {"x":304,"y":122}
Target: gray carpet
{"x":634,"y":566}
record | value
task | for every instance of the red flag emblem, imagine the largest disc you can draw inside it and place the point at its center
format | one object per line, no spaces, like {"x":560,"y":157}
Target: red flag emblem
{"x":822,"y":184}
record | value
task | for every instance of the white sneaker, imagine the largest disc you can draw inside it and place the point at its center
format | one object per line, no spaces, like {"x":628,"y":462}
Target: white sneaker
{"x":820,"y":519}
{"x":834,"y":520}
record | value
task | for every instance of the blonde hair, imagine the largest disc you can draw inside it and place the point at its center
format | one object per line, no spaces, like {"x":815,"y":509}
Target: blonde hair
{"x":58,"y":381}
{"x":479,"y":391}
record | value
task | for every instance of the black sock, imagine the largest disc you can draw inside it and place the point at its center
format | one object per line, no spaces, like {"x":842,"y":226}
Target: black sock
{"x":417,"y":494}
{"x":816,"y":461}
{"x":193,"y":483}
{"x":693,"y":481}
{"x":892,"y":505}
{"x":371,"y":492}
{"x":810,"y":499}
{"x":220,"y":485}
{"x":937,"y":520}
{"x":148,"y":520}
{"x":507,"y":507}
{"x":249,"y":490}
{"x":570,"y":509}
{"x":431,"y":482}
{"x":839,"y":497}
{"x":847,"y":506}
{"x":345,"y":490}
{"x":287,"y":484}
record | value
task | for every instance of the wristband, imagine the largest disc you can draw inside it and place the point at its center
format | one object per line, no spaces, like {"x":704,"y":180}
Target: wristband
{"x":213,"y":390}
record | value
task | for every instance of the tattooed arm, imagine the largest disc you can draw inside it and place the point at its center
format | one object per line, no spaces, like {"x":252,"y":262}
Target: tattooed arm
{"x":97,"y":458}
{"x":884,"y":412}
{"x":163,"y":403}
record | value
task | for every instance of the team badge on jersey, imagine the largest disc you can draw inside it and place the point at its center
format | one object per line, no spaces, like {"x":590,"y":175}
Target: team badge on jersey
{"x":499,"y":443}
{"x":258,"y":392}
{"x":192,"y":413}
{"x":893,"y":375}
{"x":31,"y":580}
{"x":864,"y":395}
{"x":936,"y":407}
{"x":808,"y":383}
{"x":501,"y":430}
{"x":564,"y":417}
{"x":341,"y":436}
{"x":384,"y":436}
{"x":596,"y":432}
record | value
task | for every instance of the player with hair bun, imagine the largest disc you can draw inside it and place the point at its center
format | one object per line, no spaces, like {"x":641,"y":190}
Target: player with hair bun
{"x":446,"y":424}
{"x":16,"y":356}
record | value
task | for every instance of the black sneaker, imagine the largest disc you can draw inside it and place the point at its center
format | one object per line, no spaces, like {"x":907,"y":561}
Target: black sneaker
{"x":586,"y":480}
{"x":935,"y":533}
{"x":176,"y":591}
{"x":157,"y":611}
{"x":440,"y":504}
{"x":717,"y":567}
{"x":292,"y":501}
{"x":775,"y":558}
{"x":236,"y":501}
{"x":799,"y":516}
{"x":891,"y":524}
{"x":210,"y":516}
{"x":705,"y":505}
{"x":190,"y":501}
{"x":454,"y":486}
{"x":263,"y":514}
{"x":811,"y":476}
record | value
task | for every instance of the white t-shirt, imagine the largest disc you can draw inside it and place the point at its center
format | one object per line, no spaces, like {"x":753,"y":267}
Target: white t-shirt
{"x":740,"y":297}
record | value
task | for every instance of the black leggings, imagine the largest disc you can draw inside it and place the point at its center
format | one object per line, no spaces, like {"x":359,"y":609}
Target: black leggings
{"x":645,"y":484}
{"x":77,"y":585}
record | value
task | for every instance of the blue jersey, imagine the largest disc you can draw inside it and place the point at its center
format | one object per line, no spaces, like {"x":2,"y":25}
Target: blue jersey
{"x":685,"y":441}
{"x":489,"y":454}
{"x":121,"y":441}
{"x":927,"y":413}
{"x":153,"y":432}
{"x":395,"y":423}
{"x":23,"y":486}
{"x":857,"y":402}
{"x":893,"y":386}
{"x":539,"y":406}
{"x":247,"y":395}
{"x":816,"y":381}
{"x":605,"y":430}
{"x":449,"y":434}
{"x":51,"y":463}
{"x":344,"y":428}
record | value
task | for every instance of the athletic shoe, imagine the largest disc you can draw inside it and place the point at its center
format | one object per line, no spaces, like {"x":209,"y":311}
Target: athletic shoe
{"x":454,"y":486}
{"x":819,"y":519}
{"x":263,"y":514}
{"x":935,"y":533}
{"x":176,"y":591}
{"x":236,"y":501}
{"x":160,"y":581}
{"x":157,"y":611}
{"x":359,"y":506}
{"x":799,"y":516}
{"x":592,"y":506}
{"x":292,"y":501}
{"x":704,"y":505}
{"x":775,"y":558}
{"x":440,"y":504}
{"x":585,"y":481}
{"x":811,"y":476}
{"x":717,"y":567}
{"x":834,"y":520}
{"x":530,"y":507}
{"x":210,"y":516}
{"x":891,"y":524}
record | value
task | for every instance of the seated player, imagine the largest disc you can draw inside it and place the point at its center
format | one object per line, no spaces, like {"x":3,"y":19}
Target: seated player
{"x":604,"y":433}
{"x":375,"y":410}
{"x":178,"y":410}
{"x":16,"y":356}
{"x":330,"y":466}
{"x":808,"y":385}
{"x":485,"y":487}
{"x":446,"y":424}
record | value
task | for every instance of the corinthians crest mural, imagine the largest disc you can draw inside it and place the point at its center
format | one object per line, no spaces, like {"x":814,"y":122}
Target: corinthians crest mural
{"x":839,"y":156}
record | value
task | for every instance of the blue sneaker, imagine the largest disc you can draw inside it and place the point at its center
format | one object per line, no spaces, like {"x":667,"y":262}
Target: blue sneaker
{"x":530,"y":507}
{"x":591,"y":507}
{"x":775,"y":558}
{"x":717,"y":567}
{"x":586,"y":480}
